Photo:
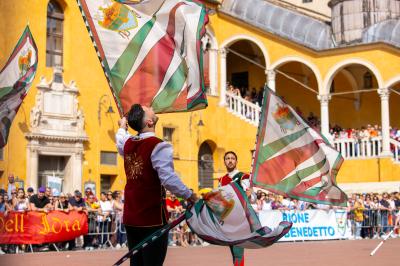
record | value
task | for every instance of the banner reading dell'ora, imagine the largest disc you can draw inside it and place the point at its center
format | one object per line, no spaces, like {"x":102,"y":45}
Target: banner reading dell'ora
{"x":40,"y":227}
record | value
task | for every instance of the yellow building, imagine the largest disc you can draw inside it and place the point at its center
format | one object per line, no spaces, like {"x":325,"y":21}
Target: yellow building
{"x":311,"y":63}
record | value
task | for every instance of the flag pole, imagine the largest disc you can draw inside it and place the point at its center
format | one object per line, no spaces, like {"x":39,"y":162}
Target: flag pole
{"x":150,"y":239}
{"x":383,"y":241}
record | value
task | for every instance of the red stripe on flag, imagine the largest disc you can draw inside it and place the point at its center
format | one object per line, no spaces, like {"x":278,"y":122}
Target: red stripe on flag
{"x":147,"y":79}
{"x":274,"y":170}
{"x":181,"y":102}
{"x":303,"y":186}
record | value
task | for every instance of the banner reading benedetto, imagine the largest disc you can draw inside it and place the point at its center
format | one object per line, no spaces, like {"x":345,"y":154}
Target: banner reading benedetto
{"x":40,"y":227}
{"x":309,"y":224}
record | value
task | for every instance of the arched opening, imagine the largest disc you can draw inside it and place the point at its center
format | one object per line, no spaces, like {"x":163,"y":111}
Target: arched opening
{"x":358,"y":110}
{"x":394,"y":103}
{"x":55,"y":35}
{"x":304,"y":101}
{"x":205,"y":166}
{"x":246,"y":65}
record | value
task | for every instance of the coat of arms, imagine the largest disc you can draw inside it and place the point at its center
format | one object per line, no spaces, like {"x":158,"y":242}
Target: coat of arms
{"x":24,"y":62}
{"x":118,"y":17}
{"x":285,"y":118}
{"x":220,"y":205}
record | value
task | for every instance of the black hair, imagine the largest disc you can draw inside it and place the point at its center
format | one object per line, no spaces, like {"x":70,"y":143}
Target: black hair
{"x":135,"y":117}
{"x":230,"y":152}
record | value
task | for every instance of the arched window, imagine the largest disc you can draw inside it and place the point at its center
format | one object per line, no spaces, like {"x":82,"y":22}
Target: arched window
{"x":54,"y":42}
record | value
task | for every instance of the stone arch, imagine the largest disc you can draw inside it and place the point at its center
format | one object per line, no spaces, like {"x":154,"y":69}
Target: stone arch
{"x":392,"y":81}
{"x":241,"y":37}
{"x":309,"y":64}
{"x":352,"y":61}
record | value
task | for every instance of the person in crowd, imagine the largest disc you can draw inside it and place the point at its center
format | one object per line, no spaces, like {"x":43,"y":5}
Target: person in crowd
{"x":39,"y":202}
{"x":384,"y":211}
{"x":21,"y":203}
{"x":76,"y":204}
{"x":118,"y":207}
{"x":29,"y":192}
{"x":62,"y":203}
{"x":89,"y":192}
{"x":48,"y":192}
{"x":149,"y":169}
{"x":104,"y":219}
{"x":358,"y":217}
{"x":11,"y":185}
{"x":93,"y":209}
{"x":367,"y":228}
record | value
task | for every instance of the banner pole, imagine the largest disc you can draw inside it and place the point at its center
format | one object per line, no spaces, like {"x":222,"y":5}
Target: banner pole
{"x":381,"y":243}
{"x":150,"y":239}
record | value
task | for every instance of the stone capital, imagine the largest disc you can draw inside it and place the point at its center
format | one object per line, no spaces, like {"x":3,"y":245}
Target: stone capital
{"x":324,"y":98}
{"x":223,"y":52}
{"x":271,"y":73}
{"x":384,"y":93}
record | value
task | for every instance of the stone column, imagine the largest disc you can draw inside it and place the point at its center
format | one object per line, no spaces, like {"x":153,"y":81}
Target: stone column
{"x":223,"y":74}
{"x":77,"y":171}
{"x":384,"y":94}
{"x":32,"y":168}
{"x":213,"y":75}
{"x":271,"y":75}
{"x":324,"y":99}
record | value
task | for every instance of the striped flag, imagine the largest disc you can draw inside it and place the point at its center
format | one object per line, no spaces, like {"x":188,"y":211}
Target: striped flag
{"x":293,"y":159}
{"x":150,"y":51}
{"x":15,"y":80}
{"x":225,"y":217}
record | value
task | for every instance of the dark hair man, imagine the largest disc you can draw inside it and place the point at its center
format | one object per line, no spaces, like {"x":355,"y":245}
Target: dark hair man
{"x":242,"y":179}
{"x":149,"y":171}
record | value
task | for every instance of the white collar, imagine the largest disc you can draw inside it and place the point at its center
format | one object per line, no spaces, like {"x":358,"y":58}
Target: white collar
{"x":233,"y":173}
{"x":146,"y":135}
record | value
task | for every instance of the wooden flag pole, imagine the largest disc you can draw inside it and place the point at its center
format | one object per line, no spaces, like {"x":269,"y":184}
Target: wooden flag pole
{"x":383,"y":241}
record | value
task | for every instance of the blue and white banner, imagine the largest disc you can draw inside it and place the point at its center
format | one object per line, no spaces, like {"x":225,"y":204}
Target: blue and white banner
{"x":310,"y":224}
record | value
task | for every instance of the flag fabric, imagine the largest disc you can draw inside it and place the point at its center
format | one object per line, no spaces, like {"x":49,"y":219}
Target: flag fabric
{"x":15,"y":80}
{"x":293,"y":159}
{"x":150,"y":51}
{"x":225,"y":217}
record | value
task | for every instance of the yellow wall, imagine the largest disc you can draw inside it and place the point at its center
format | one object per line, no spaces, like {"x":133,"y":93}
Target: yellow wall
{"x":371,"y":170}
{"x":224,"y":130}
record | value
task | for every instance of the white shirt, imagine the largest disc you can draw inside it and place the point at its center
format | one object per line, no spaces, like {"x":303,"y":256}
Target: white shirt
{"x":245,"y":183}
{"x":162,"y":161}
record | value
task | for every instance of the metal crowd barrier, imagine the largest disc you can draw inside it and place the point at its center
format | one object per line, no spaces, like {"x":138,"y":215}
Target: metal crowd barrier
{"x":373,"y":223}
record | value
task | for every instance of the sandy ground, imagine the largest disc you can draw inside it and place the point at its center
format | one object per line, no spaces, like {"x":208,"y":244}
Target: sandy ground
{"x":324,"y":253}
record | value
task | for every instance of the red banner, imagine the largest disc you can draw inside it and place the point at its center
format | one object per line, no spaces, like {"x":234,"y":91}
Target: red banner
{"x":40,"y":227}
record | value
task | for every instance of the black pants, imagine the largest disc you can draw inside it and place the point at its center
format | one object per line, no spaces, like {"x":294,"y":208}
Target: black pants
{"x":152,"y":255}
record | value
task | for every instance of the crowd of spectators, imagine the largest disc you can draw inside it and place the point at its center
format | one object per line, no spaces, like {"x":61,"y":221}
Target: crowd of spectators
{"x":369,"y":215}
{"x":252,"y":95}
{"x":104,"y":215}
{"x":337,"y":132}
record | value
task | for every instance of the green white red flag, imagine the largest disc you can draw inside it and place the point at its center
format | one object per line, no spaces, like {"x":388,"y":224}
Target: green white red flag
{"x":293,"y":159}
{"x":150,"y":51}
{"x":15,"y":80}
